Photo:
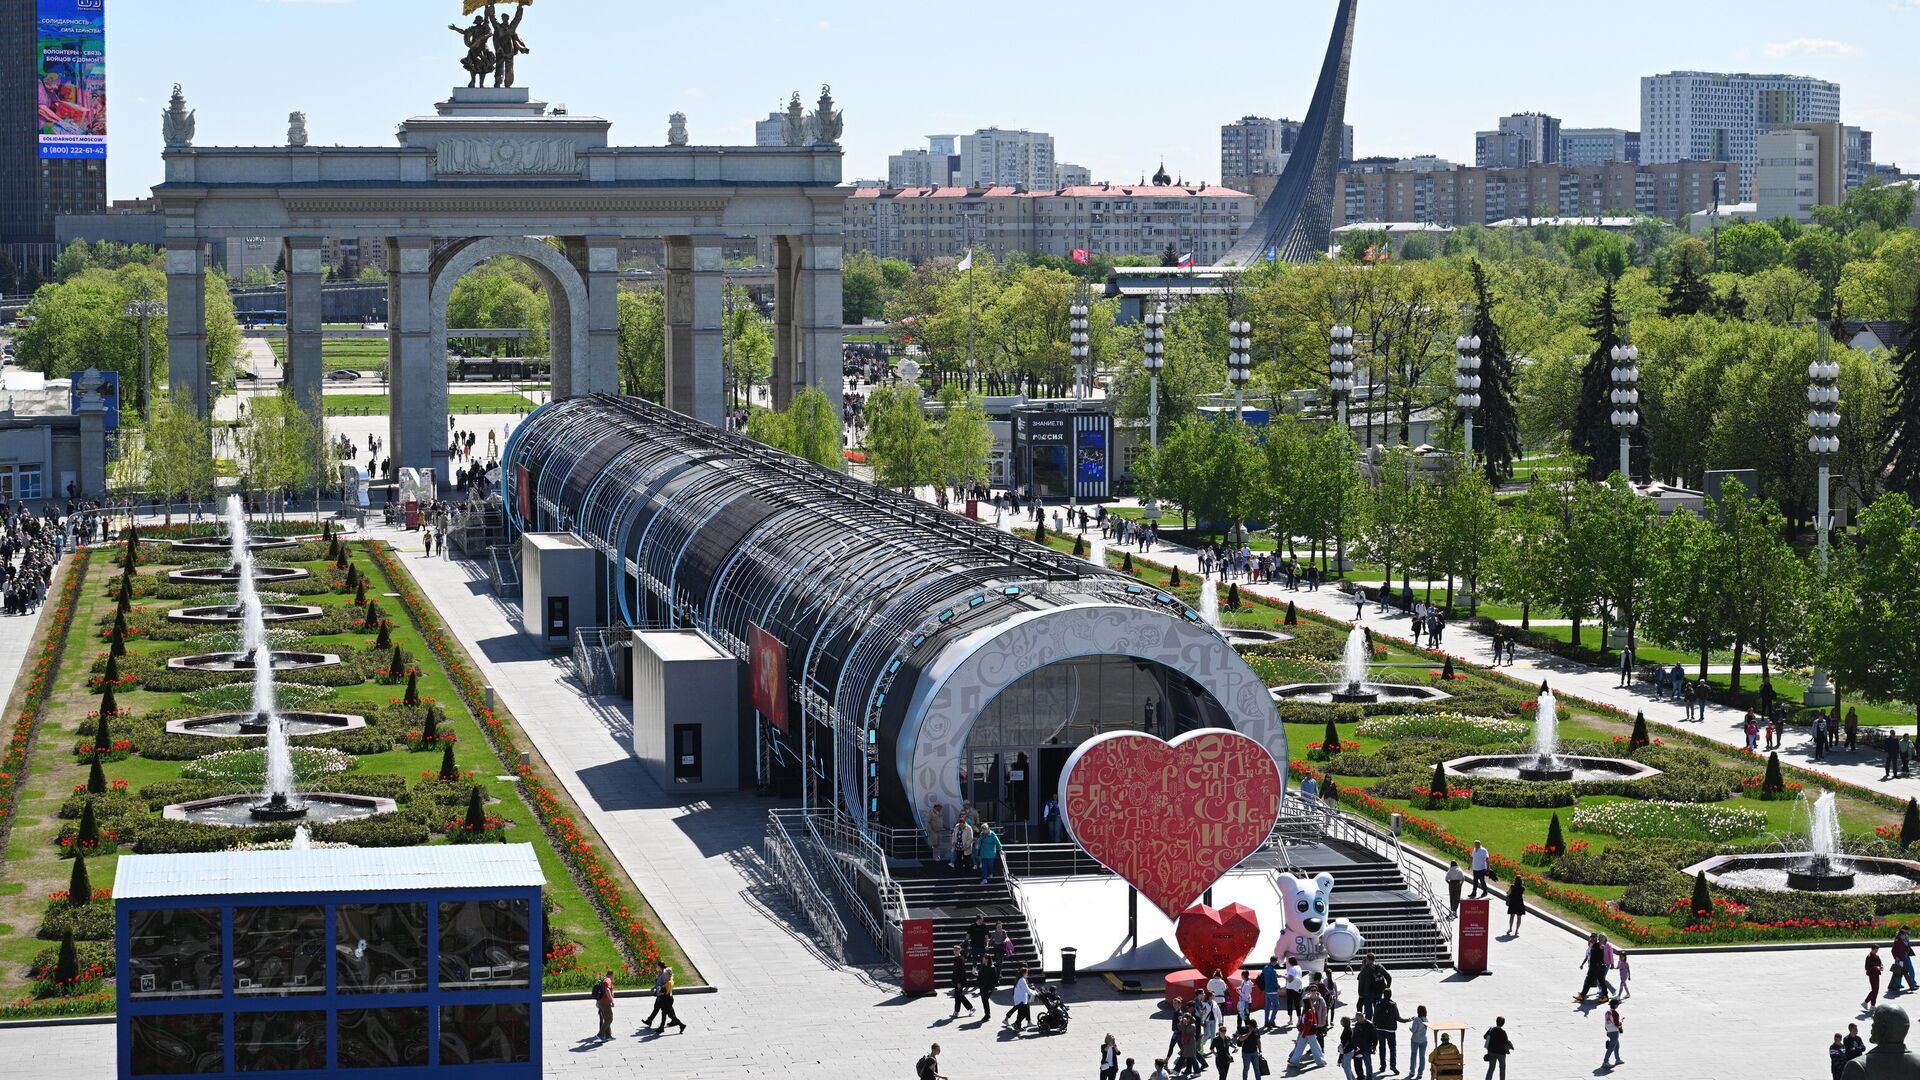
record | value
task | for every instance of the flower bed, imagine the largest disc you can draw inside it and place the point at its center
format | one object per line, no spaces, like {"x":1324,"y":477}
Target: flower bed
{"x":249,"y":766}
{"x":238,"y":697}
{"x":1686,"y":821}
{"x":1475,"y":730}
{"x":13,"y":766}
{"x":231,"y":640}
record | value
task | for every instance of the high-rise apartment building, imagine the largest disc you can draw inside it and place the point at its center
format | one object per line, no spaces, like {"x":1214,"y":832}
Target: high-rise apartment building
{"x":1521,"y":139}
{"x":53,"y":128}
{"x":1258,"y":146}
{"x":772,"y":131}
{"x":1475,"y":196}
{"x":1801,"y":166}
{"x":1108,"y":219}
{"x":1598,"y":146}
{"x":992,"y":156}
{"x":1708,"y":116}
{"x":1859,"y":155}
{"x":936,"y":166}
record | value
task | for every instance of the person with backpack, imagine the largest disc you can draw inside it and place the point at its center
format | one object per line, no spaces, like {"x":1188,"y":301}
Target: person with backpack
{"x":1499,"y":1044}
{"x":1386,"y":1026}
{"x":1313,"y":1021}
{"x":1251,"y":1063}
{"x":663,"y":1001}
{"x":1612,"y":1025}
{"x":928,"y":1067}
{"x":1270,"y":988}
{"x":962,"y":979}
{"x":603,"y":1000}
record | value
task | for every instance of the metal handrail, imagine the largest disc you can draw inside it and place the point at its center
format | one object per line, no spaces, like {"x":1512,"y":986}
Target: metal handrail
{"x":861,"y":848}
{"x":1339,"y":824}
{"x":1026,"y":914}
{"x":795,"y":879}
{"x":885,"y":935}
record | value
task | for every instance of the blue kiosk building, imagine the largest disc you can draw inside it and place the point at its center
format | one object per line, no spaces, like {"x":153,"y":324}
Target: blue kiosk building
{"x":368,"y":962}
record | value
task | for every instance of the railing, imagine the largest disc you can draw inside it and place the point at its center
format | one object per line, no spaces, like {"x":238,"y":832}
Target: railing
{"x":1337,"y":824}
{"x":1049,"y":857}
{"x":598,"y":652}
{"x":844,"y":847}
{"x":796,"y":881}
{"x":506,"y":572}
{"x":841,"y":838}
{"x":1026,"y":915}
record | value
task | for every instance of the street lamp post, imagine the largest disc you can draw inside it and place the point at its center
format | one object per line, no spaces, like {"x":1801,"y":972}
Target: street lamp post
{"x":1626,"y":401}
{"x":1823,"y":420}
{"x":1466,"y":380}
{"x":1238,"y":370}
{"x":1153,"y":342}
{"x":1081,"y":350}
{"x":1340,"y":369}
{"x":144,"y":309}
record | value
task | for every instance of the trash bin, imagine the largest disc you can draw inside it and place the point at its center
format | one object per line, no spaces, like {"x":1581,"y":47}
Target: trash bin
{"x":1069,"y":964}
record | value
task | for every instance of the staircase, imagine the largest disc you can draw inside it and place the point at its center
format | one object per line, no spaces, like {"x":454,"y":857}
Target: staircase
{"x":1374,"y":895}
{"x":952,"y":899}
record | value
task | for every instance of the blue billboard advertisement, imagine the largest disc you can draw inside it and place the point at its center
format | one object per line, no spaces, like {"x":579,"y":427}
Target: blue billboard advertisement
{"x":71,"y":106}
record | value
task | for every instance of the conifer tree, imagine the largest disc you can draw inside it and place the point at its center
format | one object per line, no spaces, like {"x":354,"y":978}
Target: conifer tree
{"x":1900,"y":431}
{"x":1496,"y":435}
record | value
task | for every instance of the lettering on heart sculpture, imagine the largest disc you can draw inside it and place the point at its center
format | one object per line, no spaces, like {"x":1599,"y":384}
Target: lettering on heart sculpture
{"x":1217,"y":940}
{"x":1171,"y":817}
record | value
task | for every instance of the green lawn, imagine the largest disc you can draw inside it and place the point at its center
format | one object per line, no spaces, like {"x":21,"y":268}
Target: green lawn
{"x":378,"y":404}
{"x":32,"y":867}
{"x":350,"y":354}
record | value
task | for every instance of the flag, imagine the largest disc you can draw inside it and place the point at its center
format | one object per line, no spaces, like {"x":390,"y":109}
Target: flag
{"x":472,"y":6}
{"x":1081,"y":255}
{"x":966,"y":263}
{"x":1185,"y":261}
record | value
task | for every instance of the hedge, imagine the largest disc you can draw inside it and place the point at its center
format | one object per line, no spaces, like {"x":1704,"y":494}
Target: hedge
{"x":13,"y":766}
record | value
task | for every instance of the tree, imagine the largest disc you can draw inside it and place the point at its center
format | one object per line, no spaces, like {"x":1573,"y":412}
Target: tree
{"x":1685,"y":600}
{"x":901,"y":446}
{"x":1874,"y":203}
{"x":1395,"y":507}
{"x":1211,"y":470}
{"x":1333,"y":498}
{"x":1468,"y":515}
{"x":809,"y":428}
{"x":1497,"y":435}
{"x":1523,"y":560}
{"x":747,"y":360}
{"x":279,"y":442}
{"x":1900,"y":432}
{"x":966,"y":440}
{"x":1750,"y":247}
{"x":1817,"y":254}
{"x":501,"y":293}
{"x":642,"y":348}
{"x":1616,"y":526}
{"x":1688,"y":293}
{"x":1593,"y":434}
{"x":1862,"y":620}
{"x":1760,"y":576}
{"x":179,"y":455}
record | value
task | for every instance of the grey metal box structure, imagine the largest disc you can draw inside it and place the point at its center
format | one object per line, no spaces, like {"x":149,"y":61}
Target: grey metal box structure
{"x":560,"y":576}
{"x":686,"y":710}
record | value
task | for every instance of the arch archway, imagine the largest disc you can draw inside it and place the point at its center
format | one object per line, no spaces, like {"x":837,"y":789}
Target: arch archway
{"x":566,"y":300}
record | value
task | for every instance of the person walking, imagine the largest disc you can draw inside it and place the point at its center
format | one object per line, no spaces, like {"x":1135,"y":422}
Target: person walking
{"x":603,"y":1000}
{"x":1594,"y":960}
{"x":1902,"y":962}
{"x":1516,"y":906}
{"x":1364,"y":1041}
{"x":1222,"y":1047}
{"x":1270,"y":990}
{"x":1386,"y":1028}
{"x":962,"y":978}
{"x":1370,"y":981}
{"x":1109,"y":1058}
{"x":1853,"y":729}
{"x":663,"y":1001}
{"x":1251,"y":1062}
{"x":1296,"y":987}
{"x":1686,"y":698}
{"x":1022,"y":1012}
{"x":1499,"y":1044}
{"x":985,"y":983}
{"x":1417,"y":1043}
{"x":1890,"y":748}
{"x":938,"y":834}
{"x":987,"y":851}
{"x":928,"y":1067}
{"x":1243,"y":1000}
{"x":1819,"y":736}
{"x":1129,"y":1073}
{"x":1456,"y":878}
{"x":1620,"y":969}
{"x":1478,"y":860}
{"x":1612,"y":1024}
{"x":1874,"y":966}
{"x":1313,"y":1019}
{"x":977,"y":939}
{"x":962,"y":859}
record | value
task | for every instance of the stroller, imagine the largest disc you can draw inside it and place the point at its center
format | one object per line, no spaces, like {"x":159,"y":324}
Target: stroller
{"x":1054,"y":1018}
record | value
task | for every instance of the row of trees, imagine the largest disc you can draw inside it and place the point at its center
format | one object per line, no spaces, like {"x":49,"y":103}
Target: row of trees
{"x":82,"y":322}
{"x":746,"y":351}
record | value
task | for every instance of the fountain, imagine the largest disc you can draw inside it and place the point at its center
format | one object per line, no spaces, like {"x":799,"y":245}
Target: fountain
{"x":237,"y":542}
{"x":302,"y":839}
{"x":1546,"y":762}
{"x":1823,"y":868}
{"x":1823,"y":871}
{"x":1210,"y":602}
{"x":278,"y":801}
{"x":1353,"y":687}
{"x":1097,"y":550}
{"x":236,"y":566}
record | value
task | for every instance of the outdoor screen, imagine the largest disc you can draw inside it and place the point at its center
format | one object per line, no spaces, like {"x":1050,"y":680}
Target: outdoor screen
{"x":71,"y":96}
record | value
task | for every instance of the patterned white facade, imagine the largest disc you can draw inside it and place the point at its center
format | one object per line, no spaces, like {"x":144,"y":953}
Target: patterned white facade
{"x":1706,"y":116}
{"x":1106,"y":219}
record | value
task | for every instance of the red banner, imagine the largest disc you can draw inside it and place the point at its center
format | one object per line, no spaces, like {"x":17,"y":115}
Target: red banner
{"x":523,"y":495}
{"x":1171,"y":818}
{"x":1473,"y":937}
{"x":769,"y":670}
{"x":916,"y":956}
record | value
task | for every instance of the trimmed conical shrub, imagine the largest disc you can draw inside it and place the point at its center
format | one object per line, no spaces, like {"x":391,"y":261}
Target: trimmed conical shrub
{"x":386,"y":635}
{"x":1702,"y":902}
{"x":476,"y":816}
{"x":96,"y":778}
{"x":1556,"y":841}
{"x":108,"y":704}
{"x":89,"y":825}
{"x":448,"y":771}
{"x":1126,"y":562}
{"x":1079,"y":547}
{"x":1233,"y":597}
{"x":1438,"y":787}
{"x":123,"y":594}
{"x":430,"y":731}
{"x":1544,"y":688}
{"x":413,"y":689}
{"x":112,"y":674}
{"x":117,"y":636}
{"x":360,"y":593}
{"x":1293,"y":617}
{"x":374,"y":614}
{"x":353,"y":580}
{"x":102,"y":736}
{"x":1330,"y":738}
{"x":67,"y":968}
{"x":1773,"y":783}
{"x":1173,"y":578}
{"x":79,"y":885}
{"x":397,"y":665}
{"x":1910,"y":824}
{"x":1639,"y":738}
{"x":1446,"y":669}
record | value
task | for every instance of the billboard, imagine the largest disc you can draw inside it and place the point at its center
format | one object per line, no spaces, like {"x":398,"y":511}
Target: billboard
{"x":71,"y":93}
{"x":769,"y":670}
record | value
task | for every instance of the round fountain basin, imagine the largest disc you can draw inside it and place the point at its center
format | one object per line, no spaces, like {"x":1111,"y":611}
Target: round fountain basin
{"x":1239,"y":636}
{"x":238,"y":661}
{"x":233,"y":613}
{"x":241,"y":725}
{"x":1561,"y":767}
{"x":1801,"y":871}
{"x":311,"y":806}
{"x":227,"y":575}
{"x":1344,"y":694}
{"x":225,"y":543}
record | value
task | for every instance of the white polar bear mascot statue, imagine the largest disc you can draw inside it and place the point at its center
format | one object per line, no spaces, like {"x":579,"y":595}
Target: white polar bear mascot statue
{"x":1310,"y":935}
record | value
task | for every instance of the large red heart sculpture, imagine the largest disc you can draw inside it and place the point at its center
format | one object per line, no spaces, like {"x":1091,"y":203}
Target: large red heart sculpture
{"x":1171,"y":818}
{"x":1217,"y":940}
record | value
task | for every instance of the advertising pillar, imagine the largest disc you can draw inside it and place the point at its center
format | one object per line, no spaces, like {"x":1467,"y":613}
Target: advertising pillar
{"x":1473,"y":937}
{"x":916,"y":956}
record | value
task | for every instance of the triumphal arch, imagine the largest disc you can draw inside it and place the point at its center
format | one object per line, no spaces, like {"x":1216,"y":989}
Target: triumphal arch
{"x":491,"y":172}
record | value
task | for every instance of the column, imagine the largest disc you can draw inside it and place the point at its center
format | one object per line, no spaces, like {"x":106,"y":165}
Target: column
{"x":598,"y":372}
{"x":418,"y":410}
{"x":786,"y":344}
{"x":820,"y":317}
{"x":303,"y":367}
{"x":695,"y":297}
{"x":187,"y":374}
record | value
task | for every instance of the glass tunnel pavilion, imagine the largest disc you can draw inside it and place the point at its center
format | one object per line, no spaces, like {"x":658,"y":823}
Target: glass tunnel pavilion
{"x":929,"y":658}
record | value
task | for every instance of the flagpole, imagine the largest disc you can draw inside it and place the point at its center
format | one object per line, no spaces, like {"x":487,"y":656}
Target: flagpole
{"x":970,"y":368}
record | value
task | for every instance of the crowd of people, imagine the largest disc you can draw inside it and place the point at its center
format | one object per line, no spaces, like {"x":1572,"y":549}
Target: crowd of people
{"x":30,"y":544}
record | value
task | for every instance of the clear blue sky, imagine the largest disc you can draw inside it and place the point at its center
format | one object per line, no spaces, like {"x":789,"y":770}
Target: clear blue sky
{"x":1119,"y":84}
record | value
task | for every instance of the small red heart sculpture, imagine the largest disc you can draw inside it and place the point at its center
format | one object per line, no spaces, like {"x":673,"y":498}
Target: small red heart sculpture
{"x":1217,"y":940}
{"x":1171,"y":818}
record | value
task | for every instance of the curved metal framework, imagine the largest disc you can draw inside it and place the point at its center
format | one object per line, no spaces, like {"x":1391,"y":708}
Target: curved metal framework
{"x":705,"y":529}
{"x":1296,"y":222}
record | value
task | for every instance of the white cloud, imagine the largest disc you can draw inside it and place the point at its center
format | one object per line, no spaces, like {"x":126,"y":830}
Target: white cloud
{"x":1809,"y":47}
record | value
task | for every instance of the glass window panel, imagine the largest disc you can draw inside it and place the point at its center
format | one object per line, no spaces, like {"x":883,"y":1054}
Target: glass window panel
{"x":483,"y":943}
{"x":484,"y":1034}
{"x":379,"y":948}
{"x":279,"y":1041}
{"x":179,"y":1045}
{"x":382,"y":1038}
{"x":173,"y":953}
{"x":278,"y":950}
